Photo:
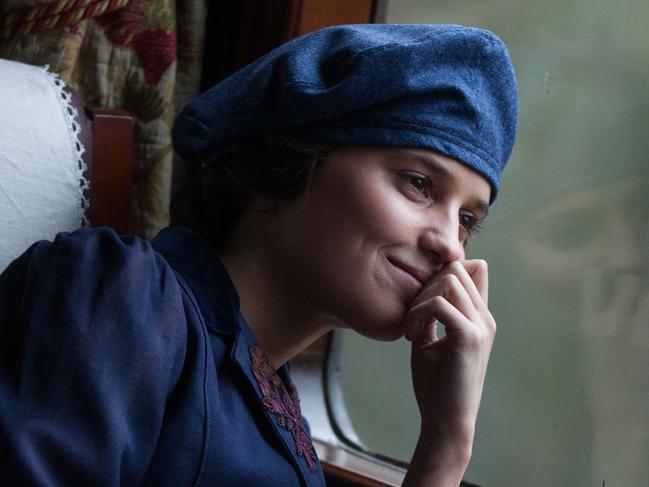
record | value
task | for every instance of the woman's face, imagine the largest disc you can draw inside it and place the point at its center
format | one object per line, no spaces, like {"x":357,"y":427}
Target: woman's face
{"x":372,"y":228}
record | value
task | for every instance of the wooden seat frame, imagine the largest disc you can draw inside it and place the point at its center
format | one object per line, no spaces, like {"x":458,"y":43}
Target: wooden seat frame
{"x":107,"y":135}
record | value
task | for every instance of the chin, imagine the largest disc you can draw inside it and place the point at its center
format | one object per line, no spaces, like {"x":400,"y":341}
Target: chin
{"x":389,"y":336}
{"x":379,"y":319}
{"x":382,"y":330}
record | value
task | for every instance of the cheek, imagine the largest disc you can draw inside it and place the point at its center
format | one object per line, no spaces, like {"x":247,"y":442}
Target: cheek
{"x":363,"y":233}
{"x":388,"y":219}
{"x":342,"y":263}
{"x":350,"y":234}
{"x":376,"y":210}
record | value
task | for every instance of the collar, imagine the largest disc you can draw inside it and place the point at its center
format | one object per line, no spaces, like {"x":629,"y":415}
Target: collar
{"x":202,"y":270}
{"x":200,"y":266}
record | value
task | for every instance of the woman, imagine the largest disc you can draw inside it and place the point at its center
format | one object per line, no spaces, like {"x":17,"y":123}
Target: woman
{"x":337,"y":181}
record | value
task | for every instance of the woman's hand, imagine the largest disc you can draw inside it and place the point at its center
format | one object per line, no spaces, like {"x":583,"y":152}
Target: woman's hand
{"x":448,"y":373}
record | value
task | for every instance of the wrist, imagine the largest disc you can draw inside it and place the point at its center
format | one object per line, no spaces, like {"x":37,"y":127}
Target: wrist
{"x":440,"y":458}
{"x":448,"y":435}
{"x":444,"y":449}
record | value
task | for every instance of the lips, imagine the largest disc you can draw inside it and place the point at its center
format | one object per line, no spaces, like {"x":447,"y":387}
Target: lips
{"x":419,"y":275}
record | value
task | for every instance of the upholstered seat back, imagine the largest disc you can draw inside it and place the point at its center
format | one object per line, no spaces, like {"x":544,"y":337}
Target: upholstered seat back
{"x":42,"y":183}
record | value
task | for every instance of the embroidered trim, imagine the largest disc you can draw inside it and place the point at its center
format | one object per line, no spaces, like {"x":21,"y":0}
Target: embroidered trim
{"x":285,"y":404}
{"x":74,"y":128}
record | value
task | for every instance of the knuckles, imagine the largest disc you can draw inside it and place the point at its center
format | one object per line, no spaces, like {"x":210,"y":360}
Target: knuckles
{"x":479,"y":338}
{"x":455,"y":267}
{"x":438,"y":302}
{"x":485,"y":334}
{"x":481,"y":265}
{"x":491,"y":324}
{"x":451,"y":281}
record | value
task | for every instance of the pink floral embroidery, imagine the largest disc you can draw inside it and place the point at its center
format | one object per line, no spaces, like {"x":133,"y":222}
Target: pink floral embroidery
{"x":283,"y":403}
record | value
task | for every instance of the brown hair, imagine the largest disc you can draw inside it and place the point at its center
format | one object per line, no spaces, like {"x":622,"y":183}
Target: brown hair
{"x":211,"y":201}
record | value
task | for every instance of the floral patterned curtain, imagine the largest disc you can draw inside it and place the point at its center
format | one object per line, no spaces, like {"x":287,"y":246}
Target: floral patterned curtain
{"x":140,"y":55}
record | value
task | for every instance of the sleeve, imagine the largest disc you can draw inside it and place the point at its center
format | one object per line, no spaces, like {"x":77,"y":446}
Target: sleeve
{"x":92,"y":341}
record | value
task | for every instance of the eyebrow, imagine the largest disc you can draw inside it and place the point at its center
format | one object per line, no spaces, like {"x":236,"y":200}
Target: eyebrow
{"x":439,"y":169}
{"x":429,"y":161}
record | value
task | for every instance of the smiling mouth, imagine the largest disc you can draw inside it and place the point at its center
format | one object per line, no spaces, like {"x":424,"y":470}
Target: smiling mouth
{"x":415,"y":274}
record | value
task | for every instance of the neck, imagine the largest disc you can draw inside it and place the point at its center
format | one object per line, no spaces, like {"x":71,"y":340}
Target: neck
{"x":282,"y":320}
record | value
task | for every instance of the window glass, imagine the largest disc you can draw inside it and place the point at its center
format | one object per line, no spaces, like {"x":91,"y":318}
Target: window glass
{"x":567,"y":392}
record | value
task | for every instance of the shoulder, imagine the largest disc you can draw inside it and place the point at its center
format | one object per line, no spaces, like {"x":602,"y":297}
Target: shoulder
{"x":90,"y":258}
{"x":94,"y":341}
{"x":94,"y":290}
{"x":93,"y":250}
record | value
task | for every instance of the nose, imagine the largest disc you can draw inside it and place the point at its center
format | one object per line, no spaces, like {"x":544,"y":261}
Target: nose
{"x":441,"y":237}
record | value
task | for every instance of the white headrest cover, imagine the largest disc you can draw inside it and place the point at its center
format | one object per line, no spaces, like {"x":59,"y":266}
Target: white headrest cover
{"x":41,"y":171}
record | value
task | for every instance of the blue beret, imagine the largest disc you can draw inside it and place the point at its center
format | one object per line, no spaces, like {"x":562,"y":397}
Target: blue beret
{"x":447,"y":88}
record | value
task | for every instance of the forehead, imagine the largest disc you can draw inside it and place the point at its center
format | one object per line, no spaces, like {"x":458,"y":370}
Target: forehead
{"x":455,"y":176}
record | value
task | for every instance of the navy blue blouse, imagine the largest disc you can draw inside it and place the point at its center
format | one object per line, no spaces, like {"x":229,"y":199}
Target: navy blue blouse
{"x":124,"y":362}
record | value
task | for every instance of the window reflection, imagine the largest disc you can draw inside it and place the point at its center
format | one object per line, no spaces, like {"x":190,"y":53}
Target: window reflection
{"x":592,"y":244}
{"x":567,"y":394}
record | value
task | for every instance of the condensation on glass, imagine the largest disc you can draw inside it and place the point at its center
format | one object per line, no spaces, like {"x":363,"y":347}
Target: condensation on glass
{"x":567,"y":393}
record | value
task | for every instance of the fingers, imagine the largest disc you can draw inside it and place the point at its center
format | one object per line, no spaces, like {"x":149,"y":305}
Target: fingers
{"x":472,"y":275}
{"x":424,"y":317}
{"x":449,"y":289}
{"x":426,"y":335}
{"x":463,"y":286}
{"x":478,"y":272}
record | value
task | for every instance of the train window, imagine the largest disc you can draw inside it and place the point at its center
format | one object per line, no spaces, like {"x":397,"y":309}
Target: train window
{"x":567,"y":395}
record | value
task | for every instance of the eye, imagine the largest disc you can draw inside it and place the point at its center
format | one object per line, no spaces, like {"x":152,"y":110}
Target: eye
{"x":470,"y":223}
{"x":418,"y":184}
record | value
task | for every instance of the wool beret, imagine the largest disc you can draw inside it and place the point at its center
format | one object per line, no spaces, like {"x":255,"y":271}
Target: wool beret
{"x":448,"y":88}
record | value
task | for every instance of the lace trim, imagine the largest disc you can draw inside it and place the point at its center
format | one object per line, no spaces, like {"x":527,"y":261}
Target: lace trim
{"x":70,"y":115}
{"x":285,"y":404}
